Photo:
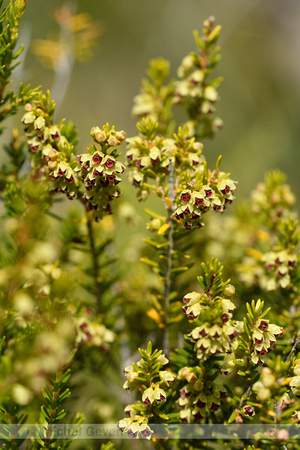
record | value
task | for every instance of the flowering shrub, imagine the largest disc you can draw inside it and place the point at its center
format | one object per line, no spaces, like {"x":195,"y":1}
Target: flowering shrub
{"x":73,"y":310}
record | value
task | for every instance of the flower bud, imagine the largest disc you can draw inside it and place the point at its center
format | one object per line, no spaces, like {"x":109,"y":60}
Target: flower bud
{"x":282,"y":435}
{"x":52,"y":165}
{"x":191,"y":377}
{"x":112,"y":141}
{"x":121,"y":135}
{"x":229,"y":290}
{"x":100,"y":137}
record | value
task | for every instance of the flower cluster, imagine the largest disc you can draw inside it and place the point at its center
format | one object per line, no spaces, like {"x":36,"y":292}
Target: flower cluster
{"x":146,"y":376}
{"x":199,"y":198}
{"x":194,"y":90}
{"x":93,"y":333}
{"x":135,"y":426}
{"x":263,"y":337}
{"x":99,"y":170}
{"x":267,"y":387}
{"x":279,"y":267}
{"x":52,"y":154}
{"x":155,"y":99}
{"x":198,"y":398}
{"x":154,"y":393}
{"x":263,"y":387}
{"x":276,"y":268}
{"x":48,"y":352}
{"x":273,"y":198}
{"x":44,"y":279}
{"x":151,"y":158}
{"x":60,"y":168}
{"x":216,"y":332}
{"x":38,"y":126}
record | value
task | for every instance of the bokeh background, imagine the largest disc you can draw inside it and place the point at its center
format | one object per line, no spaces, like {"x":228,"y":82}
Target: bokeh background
{"x":260,"y":95}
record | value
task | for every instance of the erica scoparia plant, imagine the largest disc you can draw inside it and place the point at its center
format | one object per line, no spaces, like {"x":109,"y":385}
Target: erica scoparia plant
{"x":56,"y":297}
{"x":230,"y":369}
{"x":68,"y":298}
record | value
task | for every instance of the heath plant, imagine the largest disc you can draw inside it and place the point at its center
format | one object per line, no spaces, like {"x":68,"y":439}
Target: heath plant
{"x":213,"y":364}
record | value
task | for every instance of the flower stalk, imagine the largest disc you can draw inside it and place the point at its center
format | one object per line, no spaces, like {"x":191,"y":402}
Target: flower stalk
{"x":94,"y":256}
{"x":170,"y":221}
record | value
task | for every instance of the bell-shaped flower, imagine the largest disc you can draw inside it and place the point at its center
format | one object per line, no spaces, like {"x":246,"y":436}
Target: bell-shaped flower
{"x":166,"y":377}
{"x":162,"y":359}
{"x":152,"y":394}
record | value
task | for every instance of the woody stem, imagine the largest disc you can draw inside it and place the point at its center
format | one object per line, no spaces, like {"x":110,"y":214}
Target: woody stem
{"x":94,"y":260}
{"x":167,"y":290}
{"x":296,"y":342}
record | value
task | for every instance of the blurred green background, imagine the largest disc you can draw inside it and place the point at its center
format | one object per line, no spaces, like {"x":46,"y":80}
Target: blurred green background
{"x":260,"y":95}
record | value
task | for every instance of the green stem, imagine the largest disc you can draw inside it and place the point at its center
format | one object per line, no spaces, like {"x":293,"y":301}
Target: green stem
{"x":167,"y":290}
{"x":247,"y":393}
{"x":245,"y":396}
{"x":48,"y":436}
{"x":10,"y":108}
{"x":47,"y":441}
{"x":296,"y":342}
{"x":13,"y":419}
{"x":277,"y":407}
{"x":96,"y":269}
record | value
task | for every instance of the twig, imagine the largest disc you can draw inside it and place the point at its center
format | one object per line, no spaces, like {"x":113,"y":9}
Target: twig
{"x":296,"y":342}
{"x":167,"y":290}
{"x":95,"y":259}
{"x":245,"y":396}
{"x":55,"y":216}
{"x":277,"y":407}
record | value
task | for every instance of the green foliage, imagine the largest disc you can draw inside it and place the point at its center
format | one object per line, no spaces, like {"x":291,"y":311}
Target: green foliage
{"x":9,"y":24}
{"x":155,"y":100}
{"x":52,"y":412}
{"x":153,"y":383}
{"x":10,"y":413}
{"x":16,"y":153}
{"x":108,"y":446}
{"x":195,"y":91}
